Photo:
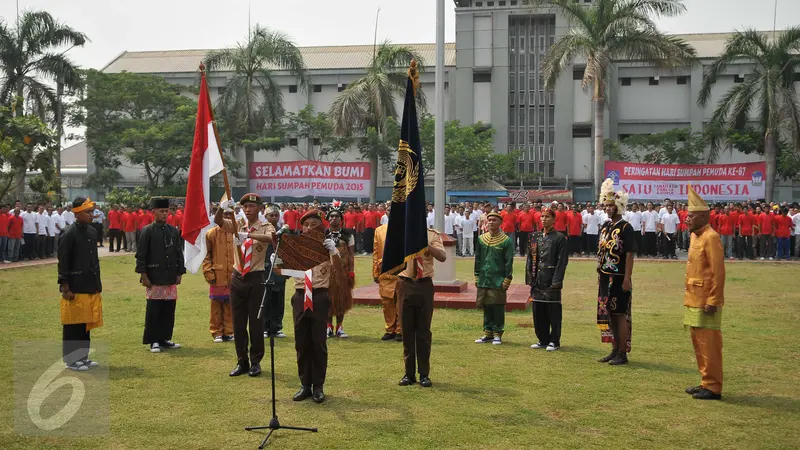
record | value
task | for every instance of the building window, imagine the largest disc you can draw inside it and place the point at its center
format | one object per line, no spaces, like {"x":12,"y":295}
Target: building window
{"x":551,"y":170}
{"x":221,"y":90}
{"x":551,"y":154}
{"x":317,"y":88}
{"x":512,"y":118}
{"x":653,"y":81}
{"x":581,"y":131}
{"x":541,"y":169}
{"x":489,"y":3}
{"x":521,"y":167}
{"x":551,"y":135}
{"x":482,"y":77}
{"x":531,"y":153}
{"x":501,"y":3}
{"x":738,"y":79}
{"x":317,"y":141}
{"x":293,"y":142}
{"x":622,"y":137}
{"x":541,"y":153}
{"x":797,"y":77}
{"x":341,"y":87}
{"x":512,"y":134}
{"x":478,"y":4}
{"x":513,"y":2}
{"x":292,"y":88}
{"x":683,"y":80}
{"x":532,"y":168}
{"x":577,"y":74}
{"x":626,"y":81}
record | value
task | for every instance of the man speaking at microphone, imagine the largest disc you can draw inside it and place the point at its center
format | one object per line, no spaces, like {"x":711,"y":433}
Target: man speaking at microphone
{"x":252,"y":239}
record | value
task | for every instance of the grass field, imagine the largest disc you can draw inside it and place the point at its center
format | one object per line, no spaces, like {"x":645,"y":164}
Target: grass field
{"x":484,"y":396}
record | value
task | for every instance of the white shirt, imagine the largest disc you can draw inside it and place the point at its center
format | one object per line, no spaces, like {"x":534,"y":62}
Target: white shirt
{"x":469,"y":224}
{"x":604,"y":217}
{"x":69,"y":217}
{"x":29,"y":221}
{"x":384,"y":219}
{"x":42,"y":220}
{"x":449,"y":220}
{"x":430,"y":219}
{"x":635,"y":219}
{"x":458,"y":224}
{"x":662,"y":211}
{"x":60,"y":221}
{"x":592,"y":222}
{"x":796,"y":222}
{"x":240,"y":216}
{"x":261,"y":217}
{"x":98,"y":216}
{"x":475,"y":216}
{"x":649,"y":219}
{"x":51,"y":223}
{"x":670,"y":222}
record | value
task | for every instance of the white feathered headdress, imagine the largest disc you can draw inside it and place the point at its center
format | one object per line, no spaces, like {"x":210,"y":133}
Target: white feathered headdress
{"x":607,"y":195}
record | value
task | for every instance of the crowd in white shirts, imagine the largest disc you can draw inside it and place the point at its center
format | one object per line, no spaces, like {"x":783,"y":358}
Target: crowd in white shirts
{"x":31,"y":233}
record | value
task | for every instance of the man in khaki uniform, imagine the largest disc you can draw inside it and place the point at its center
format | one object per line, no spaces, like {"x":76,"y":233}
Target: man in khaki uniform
{"x":415,"y":291}
{"x":704,"y":297}
{"x":251,"y":240}
{"x":387,"y":289}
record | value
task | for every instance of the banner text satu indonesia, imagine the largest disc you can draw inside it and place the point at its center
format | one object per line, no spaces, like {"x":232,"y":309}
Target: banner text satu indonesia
{"x":715,"y":182}
{"x":310,"y":178}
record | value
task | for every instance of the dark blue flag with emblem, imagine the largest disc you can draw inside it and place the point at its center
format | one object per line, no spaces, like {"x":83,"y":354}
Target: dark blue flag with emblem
{"x":407,"y":234}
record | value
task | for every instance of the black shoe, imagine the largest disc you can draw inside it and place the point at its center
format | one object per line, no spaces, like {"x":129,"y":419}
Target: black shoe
{"x":694,"y":390}
{"x":240,"y":369}
{"x":255,"y":370}
{"x":302,"y":394}
{"x":425,"y":381}
{"x":619,"y":360}
{"x":407,"y":381}
{"x":705,"y":394}
{"x":398,"y":337}
{"x":388,"y":336}
{"x":608,"y":358}
{"x":318,"y":395}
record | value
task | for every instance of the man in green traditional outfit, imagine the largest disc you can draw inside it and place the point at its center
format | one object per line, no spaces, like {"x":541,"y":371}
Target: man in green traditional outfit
{"x":494,"y":258}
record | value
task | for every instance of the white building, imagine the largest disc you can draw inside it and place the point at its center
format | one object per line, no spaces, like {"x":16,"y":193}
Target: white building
{"x":493,"y":75}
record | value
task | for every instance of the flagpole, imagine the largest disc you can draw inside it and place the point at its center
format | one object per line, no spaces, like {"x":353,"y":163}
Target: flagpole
{"x":439,"y":188}
{"x":216,"y":134}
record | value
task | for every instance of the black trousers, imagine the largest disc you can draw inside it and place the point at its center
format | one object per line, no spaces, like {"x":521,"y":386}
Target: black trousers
{"x":99,"y":228}
{"x":159,"y":321}
{"x":274,"y":309}
{"x":41,"y":246}
{"x":75,"y":343}
{"x":369,"y":240}
{"x":29,"y":249}
{"x":668,"y":244}
{"x":547,"y":322}
{"x":574,"y":244}
{"x":650,"y":243}
{"x":50,"y":245}
{"x":114,"y":234}
{"x":523,"y":237}
{"x":746,"y":247}
{"x":591,"y":243}
{"x":310,"y":338}
{"x":417,"y":300}
{"x":475,"y":240}
{"x":637,"y":236}
{"x":246,"y":294}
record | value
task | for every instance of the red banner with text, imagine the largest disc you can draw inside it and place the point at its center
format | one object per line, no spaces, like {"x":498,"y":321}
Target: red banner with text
{"x":714,"y":182}
{"x":310,"y":178}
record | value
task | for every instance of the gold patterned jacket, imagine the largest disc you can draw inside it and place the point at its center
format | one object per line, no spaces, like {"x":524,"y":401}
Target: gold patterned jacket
{"x":705,"y":270}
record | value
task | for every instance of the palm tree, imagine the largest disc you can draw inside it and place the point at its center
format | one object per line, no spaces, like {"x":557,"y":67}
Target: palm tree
{"x":369,"y":101}
{"x":28,"y":60}
{"x":607,"y":31}
{"x":252,"y":100}
{"x":768,"y":92}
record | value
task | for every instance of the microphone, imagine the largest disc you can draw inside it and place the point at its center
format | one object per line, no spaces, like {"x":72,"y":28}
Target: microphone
{"x":280,"y":232}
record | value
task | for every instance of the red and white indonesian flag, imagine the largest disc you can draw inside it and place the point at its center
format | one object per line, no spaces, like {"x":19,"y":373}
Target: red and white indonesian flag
{"x":206,"y":162}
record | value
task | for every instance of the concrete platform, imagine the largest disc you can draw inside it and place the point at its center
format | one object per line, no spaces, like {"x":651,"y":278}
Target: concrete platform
{"x":517,"y":297}
{"x":452,"y":288}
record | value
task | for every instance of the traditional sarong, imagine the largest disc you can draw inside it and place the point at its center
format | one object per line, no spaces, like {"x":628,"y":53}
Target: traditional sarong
{"x":219,"y":293}
{"x":162,"y":292}
{"x":698,"y":318}
{"x":608,"y":288}
{"x":84,"y":308}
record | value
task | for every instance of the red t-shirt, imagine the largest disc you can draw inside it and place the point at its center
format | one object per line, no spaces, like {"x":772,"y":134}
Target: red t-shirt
{"x":114,"y":220}
{"x":735,"y":219}
{"x":712,"y":220}
{"x":15,"y":227}
{"x":290,"y":217}
{"x":146,"y":219}
{"x":509,"y":222}
{"x":372,"y":219}
{"x":682,"y":217}
{"x":766,"y":222}
{"x":561,"y":222}
{"x":128,"y":222}
{"x":526,"y":222}
{"x":537,"y":219}
{"x":725,"y":225}
{"x":172,"y":219}
{"x":783,"y":226}
{"x":352,"y":219}
{"x":746,"y":222}
{"x":4,"y":219}
{"x":575,"y":223}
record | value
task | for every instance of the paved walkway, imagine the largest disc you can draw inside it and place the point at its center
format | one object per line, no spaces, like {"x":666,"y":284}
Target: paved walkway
{"x":101,"y":252}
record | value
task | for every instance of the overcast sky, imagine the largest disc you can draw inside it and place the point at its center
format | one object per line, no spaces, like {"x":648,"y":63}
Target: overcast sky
{"x":115,"y":26}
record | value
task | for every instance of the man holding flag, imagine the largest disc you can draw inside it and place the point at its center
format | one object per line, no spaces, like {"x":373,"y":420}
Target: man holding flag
{"x":410,"y":245}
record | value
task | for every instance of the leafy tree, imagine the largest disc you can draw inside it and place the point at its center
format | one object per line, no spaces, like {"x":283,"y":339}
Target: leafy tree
{"x":768,"y":92}
{"x":675,"y":146}
{"x":139,"y":118}
{"x":317,"y":131}
{"x":26,"y":143}
{"x":128,"y":197}
{"x":29,"y":58}
{"x":469,"y":152}
{"x":251,"y":102}
{"x":607,"y":31}
{"x":613,"y":151}
{"x":369,"y":101}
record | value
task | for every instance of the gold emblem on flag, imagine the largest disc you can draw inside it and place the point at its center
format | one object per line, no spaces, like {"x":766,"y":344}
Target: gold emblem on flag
{"x":406,"y":175}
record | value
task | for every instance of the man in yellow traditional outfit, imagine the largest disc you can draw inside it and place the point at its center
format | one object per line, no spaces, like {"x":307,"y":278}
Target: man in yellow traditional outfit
{"x":387,"y":285}
{"x":80,"y":287}
{"x":704,"y":297}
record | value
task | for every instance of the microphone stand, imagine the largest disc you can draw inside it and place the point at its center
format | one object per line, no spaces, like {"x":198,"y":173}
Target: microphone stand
{"x":274,"y":423}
